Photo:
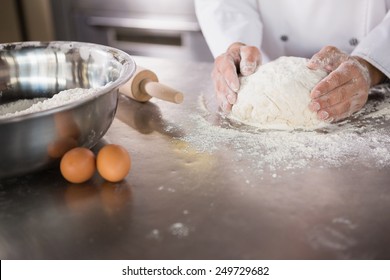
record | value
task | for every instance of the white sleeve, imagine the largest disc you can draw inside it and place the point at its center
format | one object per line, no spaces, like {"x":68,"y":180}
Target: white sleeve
{"x":375,"y":47}
{"x":224,"y":22}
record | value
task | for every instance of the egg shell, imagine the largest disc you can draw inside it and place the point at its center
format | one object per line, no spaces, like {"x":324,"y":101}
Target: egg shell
{"x":78,"y":165}
{"x":113,"y":162}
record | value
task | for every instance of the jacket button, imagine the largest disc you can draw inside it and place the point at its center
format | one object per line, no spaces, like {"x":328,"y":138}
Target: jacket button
{"x":353,"y":42}
{"x":284,"y":38}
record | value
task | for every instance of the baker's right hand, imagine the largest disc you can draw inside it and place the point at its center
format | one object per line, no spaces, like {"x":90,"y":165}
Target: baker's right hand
{"x":238,"y":59}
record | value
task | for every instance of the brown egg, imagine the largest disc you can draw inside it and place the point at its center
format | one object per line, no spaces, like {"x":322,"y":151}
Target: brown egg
{"x":78,"y":165}
{"x":113,"y":163}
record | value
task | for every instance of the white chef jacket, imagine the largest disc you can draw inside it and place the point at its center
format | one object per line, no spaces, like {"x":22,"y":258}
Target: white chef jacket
{"x":299,"y":27}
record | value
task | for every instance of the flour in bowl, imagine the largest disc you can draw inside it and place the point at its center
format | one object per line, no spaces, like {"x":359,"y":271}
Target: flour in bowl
{"x":16,"y":106}
{"x":28,"y":106}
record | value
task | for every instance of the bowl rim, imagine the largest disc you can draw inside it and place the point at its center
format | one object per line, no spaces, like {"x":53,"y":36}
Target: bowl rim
{"x":128,"y":69}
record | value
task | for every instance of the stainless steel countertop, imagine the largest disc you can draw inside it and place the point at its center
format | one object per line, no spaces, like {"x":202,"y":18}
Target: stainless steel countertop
{"x":178,"y":203}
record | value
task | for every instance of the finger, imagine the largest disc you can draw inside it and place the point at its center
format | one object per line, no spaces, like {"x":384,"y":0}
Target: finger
{"x":342,"y":75}
{"x":328,"y":59}
{"x":234,"y":52}
{"x":342,"y":110}
{"x":226,"y":67}
{"x":225,"y":93}
{"x":225,"y":96}
{"x":226,"y":107}
{"x":250,"y":59}
{"x":223,"y":102}
{"x":221,"y":87}
{"x":338,"y":95}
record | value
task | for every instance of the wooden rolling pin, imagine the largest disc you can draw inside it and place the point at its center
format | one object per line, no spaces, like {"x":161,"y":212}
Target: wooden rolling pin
{"x":144,"y":85}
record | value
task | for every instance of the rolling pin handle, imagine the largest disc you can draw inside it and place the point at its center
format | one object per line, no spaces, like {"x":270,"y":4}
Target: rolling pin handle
{"x":161,"y":91}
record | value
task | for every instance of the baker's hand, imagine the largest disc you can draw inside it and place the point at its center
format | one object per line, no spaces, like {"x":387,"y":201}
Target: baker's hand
{"x":238,"y":59}
{"x":345,"y":90}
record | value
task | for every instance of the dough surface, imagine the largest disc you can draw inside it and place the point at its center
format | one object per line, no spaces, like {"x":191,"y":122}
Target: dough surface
{"x":277,"y":96}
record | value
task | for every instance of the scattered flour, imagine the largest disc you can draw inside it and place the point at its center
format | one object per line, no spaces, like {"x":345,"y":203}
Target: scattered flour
{"x":363,"y":139}
{"x":154,"y":234}
{"x":179,"y":230}
{"x":28,"y":106}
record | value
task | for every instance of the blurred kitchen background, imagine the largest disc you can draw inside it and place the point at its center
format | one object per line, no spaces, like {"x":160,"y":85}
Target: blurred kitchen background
{"x":155,"y":28}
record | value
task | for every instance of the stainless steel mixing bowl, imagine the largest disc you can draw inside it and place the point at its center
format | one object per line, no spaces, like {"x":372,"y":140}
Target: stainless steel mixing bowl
{"x":42,"y":69}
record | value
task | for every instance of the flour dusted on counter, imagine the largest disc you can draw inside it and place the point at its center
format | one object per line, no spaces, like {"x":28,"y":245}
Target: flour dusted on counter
{"x":364,"y":140}
{"x":28,"y":106}
{"x":272,"y":150}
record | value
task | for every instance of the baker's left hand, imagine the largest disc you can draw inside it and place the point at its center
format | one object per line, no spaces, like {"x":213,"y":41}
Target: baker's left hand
{"x":345,"y":90}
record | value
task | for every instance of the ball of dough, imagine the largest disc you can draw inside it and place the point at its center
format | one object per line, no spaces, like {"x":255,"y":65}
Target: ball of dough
{"x":277,"y":96}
